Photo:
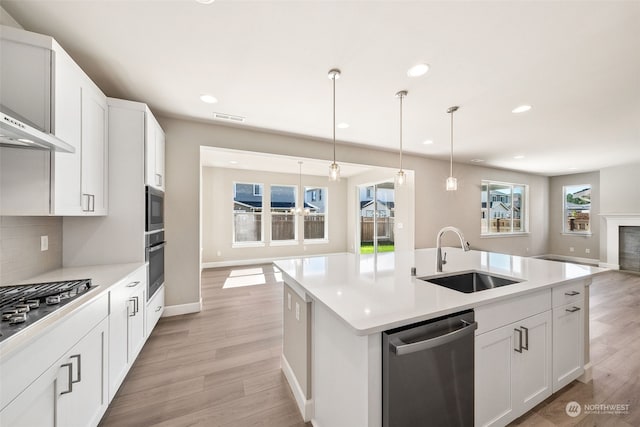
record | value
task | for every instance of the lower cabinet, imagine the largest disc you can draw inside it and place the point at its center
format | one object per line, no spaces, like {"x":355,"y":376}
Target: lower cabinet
{"x":155,"y":308}
{"x":513,"y":369}
{"x":568,"y":343}
{"x":126,"y":326}
{"x":71,"y":392}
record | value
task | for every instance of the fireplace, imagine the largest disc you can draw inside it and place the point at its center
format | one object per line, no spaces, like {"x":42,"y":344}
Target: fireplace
{"x":622,"y":250}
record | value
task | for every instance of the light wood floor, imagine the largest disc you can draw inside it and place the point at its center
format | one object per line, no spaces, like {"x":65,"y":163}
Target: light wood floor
{"x":221,"y":367}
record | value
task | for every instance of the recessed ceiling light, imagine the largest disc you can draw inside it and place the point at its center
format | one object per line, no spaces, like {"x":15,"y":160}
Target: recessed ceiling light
{"x":209,"y":99}
{"x":518,"y":157}
{"x":427,"y":142}
{"x":343,"y":125}
{"x":205,"y":1}
{"x":521,"y":109}
{"x":476,"y":160}
{"x":418,"y":70}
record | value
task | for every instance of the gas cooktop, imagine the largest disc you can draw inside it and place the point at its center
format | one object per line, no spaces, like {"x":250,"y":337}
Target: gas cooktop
{"x":23,"y":305}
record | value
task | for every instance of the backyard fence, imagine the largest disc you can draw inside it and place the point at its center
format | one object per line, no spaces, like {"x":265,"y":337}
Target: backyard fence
{"x":385,"y":229}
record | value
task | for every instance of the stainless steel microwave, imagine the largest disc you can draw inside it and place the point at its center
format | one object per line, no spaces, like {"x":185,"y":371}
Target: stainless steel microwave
{"x":155,"y":209}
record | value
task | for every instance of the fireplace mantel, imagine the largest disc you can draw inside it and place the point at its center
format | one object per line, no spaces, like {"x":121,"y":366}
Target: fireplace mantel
{"x":613,"y":222}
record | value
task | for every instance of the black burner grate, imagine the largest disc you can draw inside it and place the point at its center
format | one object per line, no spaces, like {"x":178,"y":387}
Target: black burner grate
{"x":12,"y":295}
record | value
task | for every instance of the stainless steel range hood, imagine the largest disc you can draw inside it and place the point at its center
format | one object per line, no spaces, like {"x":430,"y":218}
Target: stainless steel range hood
{"x":15,"y":133}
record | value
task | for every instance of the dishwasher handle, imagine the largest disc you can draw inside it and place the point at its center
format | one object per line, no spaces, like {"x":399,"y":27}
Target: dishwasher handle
{"x":399,"y":347}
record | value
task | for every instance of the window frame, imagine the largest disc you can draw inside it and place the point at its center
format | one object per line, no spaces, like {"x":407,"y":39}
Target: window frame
{"x":565,"y":231}
{"x":251,"y":243}
{"x":524,"y":212}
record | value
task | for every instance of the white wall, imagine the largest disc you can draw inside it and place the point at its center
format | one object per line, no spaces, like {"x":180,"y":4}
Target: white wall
{"x":560,"y":243}
{"x":217,"y":219}
{"x":434,"y":207}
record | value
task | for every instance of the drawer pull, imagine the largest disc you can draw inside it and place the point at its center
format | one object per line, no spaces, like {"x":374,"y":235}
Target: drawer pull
{"x":519,"y":348}
{"x":70,"y":389}
{"x":573,"y":309}
{"x":79,"y":358}
{"x":158,"y":308}
{"x":133,"y":284}
{"x":572,"y":293}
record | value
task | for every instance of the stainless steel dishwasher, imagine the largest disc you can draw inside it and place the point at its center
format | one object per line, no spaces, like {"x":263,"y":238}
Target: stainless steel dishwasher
{"x":427,"y":373}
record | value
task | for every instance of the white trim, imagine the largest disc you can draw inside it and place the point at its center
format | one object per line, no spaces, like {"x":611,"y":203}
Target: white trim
{"x":587,"y":375}
{"x":289,"y":242}
{"x":514,"y":234}
{"x":316,"y":242}
{"x":234,"y":262}
{"x":304,"y":405}
{"x":239,"y":245}
{"x":590,"y":261}
{"x":607,"y":265}
{"x":176,"y":310}
{"x":579,"y":234}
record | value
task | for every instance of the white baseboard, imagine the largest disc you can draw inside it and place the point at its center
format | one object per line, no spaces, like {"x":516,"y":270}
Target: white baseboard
{"x":607,"y":265}
{"x":589,"y":261}
{"x":231,"y":263}
{"x":176,"y":310}
{"x":587,"y":374}
{"x":304,"y":405}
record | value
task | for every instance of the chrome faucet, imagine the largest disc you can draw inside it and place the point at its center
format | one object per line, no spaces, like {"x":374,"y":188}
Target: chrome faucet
{"x":463,"y":243}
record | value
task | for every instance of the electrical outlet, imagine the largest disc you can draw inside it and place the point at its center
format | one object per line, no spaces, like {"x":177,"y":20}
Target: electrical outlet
{"x":219,"y":253}
{"x":571,"y":249}
{"x":44,"y":243}
{"x":587,"y":251}
{"x":297,"y":311}
{"x":289,"y":301}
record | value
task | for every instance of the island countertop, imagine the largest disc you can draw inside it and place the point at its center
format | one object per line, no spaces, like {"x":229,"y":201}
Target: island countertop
{"x":374,"y":293}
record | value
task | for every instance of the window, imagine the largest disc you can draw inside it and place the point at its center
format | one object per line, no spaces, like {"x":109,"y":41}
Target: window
{"x":283,"y":216}
{"x":577,"y":208}
{"x":247,"y":212}
{"x":503,"y":208}
{"x":315,"y":224}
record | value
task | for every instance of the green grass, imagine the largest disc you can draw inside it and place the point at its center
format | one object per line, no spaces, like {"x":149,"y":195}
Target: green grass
{"x":368,"y":249}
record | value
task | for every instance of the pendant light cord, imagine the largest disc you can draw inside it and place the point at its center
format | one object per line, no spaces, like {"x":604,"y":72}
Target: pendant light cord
{"x":334,"y":118}
{"x":401,"y":97}
{"x":451,"y":153}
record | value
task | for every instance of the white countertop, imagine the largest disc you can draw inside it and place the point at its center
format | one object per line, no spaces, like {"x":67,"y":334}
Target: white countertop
{"x":375,"y":293}
{"x":102,"y":278}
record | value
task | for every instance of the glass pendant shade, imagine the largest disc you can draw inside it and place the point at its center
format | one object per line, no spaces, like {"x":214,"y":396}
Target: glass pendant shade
{"x":452,"y":184}
{"x":334,"y":169}
{"x":401,"y":177}
{"x":334,"y":172}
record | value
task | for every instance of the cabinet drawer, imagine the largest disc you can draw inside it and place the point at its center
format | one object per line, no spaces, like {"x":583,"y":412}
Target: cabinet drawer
{"x":567,"y":294}
{"x":21,"y":368}
{"x":155,"y":308}
{"x":502,"y":313}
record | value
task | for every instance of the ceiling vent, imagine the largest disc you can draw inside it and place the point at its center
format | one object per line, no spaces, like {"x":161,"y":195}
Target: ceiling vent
{"x":229,"y":117}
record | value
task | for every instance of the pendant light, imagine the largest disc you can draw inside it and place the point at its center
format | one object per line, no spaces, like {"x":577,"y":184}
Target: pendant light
{"x":300,"y":210}
{"x":400,"y":176}
{"x":452,"y":182}
{"x":334,"y":169}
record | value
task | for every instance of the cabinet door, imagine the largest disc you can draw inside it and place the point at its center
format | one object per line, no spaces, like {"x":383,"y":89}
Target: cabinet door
{"x":118,"y":336}
{"x":67,"y":170}
{"x":159,"y":167}
{"x":81,"y":386}
{"x":568,"y":344}
{"x":532,"y":366}
{"x":35,"y":406}
{"x":493,"y":377}
{"x":150,"y":149}
{"x":136,"y":306}
{"x":154,"y":310}
{"x":94,"y":150}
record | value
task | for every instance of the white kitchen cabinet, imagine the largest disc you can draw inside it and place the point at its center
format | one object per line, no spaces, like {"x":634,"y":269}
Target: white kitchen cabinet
{"x":71,"y":392}
{"x":126,"y":326}
{"x":513,"y":362}
{"x":568,"y":336}
{"x":154,"y":152}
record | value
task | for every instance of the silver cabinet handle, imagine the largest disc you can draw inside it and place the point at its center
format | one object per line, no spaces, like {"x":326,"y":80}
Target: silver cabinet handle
{"x":519,"y":348}
{"x":572,"y":293}
{"x":88,"y":196}
{"x":573,"y":309}
{"x":133,"y":284}
{"x":93,"y":203}
{"x":133,"y":310}
{"x":78,"y":357}
{"x":70,"y":389}
{"x":158,"y":179}
{"x":158,"y":308}
{"x":399,"y":347}
{"x":526,"y":338}
{"x":157,"y":247}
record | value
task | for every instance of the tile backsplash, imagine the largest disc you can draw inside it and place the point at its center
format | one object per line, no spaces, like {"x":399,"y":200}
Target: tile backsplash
{"x":20,"y":254}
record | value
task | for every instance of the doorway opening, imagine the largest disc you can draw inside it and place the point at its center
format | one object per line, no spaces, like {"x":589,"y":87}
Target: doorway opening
{"x":377,"y":217}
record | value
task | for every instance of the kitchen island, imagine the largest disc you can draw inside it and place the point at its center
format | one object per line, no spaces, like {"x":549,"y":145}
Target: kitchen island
{"x":336,"y":306}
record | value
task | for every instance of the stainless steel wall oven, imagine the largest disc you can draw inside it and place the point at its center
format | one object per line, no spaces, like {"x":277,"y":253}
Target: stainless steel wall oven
{"x":155,"y":244}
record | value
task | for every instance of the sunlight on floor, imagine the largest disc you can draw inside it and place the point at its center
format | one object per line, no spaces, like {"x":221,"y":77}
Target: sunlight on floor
{"x":240,"y":277}
{"x":250,"y":280}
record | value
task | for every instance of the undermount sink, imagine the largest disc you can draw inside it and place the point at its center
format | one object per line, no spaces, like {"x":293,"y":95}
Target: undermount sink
{"x":471,"y":281}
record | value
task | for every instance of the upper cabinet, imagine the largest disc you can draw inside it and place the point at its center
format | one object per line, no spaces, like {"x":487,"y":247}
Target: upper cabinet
{"x":154,"y":153}
{"x":42,"y":85}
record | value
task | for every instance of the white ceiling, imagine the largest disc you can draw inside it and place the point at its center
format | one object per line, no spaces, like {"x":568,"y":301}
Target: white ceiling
{"x":576,"y":62}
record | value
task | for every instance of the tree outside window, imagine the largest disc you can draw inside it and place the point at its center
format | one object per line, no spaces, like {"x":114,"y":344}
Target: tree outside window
{"x":577,"y":208}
